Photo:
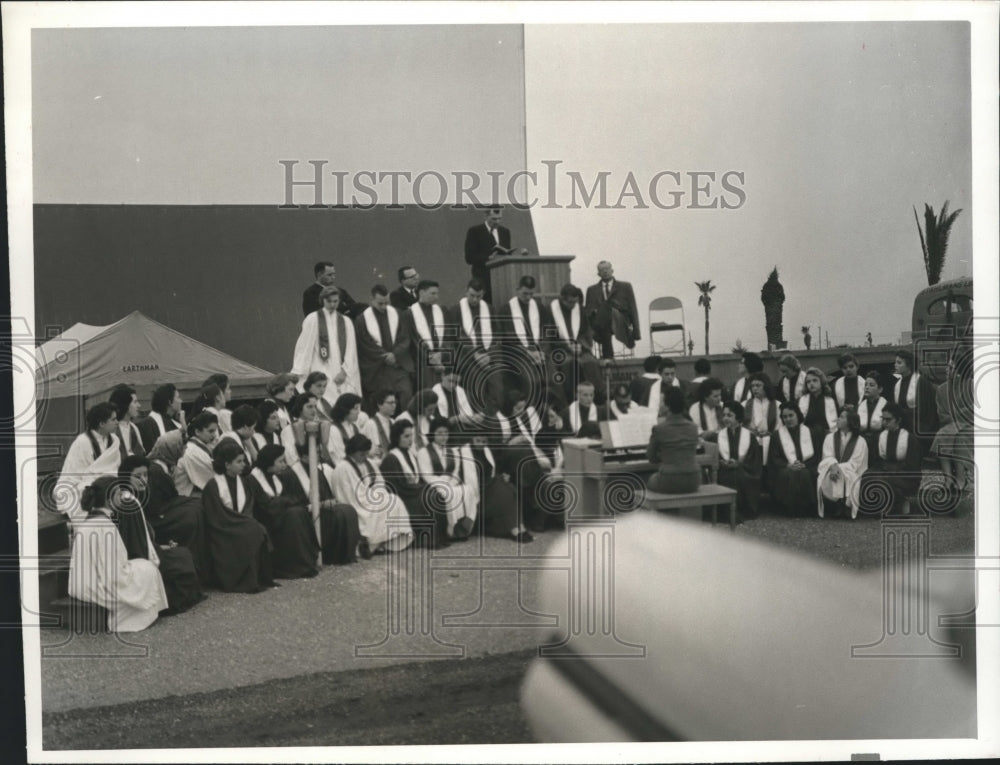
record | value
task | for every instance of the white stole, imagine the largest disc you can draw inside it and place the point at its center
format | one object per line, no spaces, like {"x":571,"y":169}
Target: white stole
{"x":574,"y":415}
{"x":876,"y":416}
{"x":158,"y":419}
{"x":740,"y":391}
{"x":420,"y":322}
{"x":565,"y":332}
{"x":653,"y":402}
{"x":534,"y":424}
{"x":741,"y":448}
{"x":485,"y":324}
{"x":261,"y":479}
{"x":805,"y":443}
{"x":226,"y":497}
{"x":404,"y":464}
{"x":300,"y":472}
{"x":371,"y":324}
{"x":911,"y":392}
{"x":518,"y":320}
{"x":461,"y":400}
{"x":800,"y":384}
{"x":902,"y":444}
{"x":829,"y":409}
{"x":838,"y":390}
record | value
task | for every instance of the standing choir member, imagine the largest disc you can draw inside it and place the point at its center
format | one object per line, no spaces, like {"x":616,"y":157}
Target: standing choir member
{"x":384,"y":353}
{"x":126,"y":405}
{"x":849,"y":388}
{"x":673,"y":444}
{"x":166,"y":414}
{"x":819,"y":410}
{"x":894,"y":472}
{"x":645,"y":389}
{"x":844,"y":461}
{"x":916,"y":395}
{"x":426,"y":324}
{"x":93,"y":453}
{"x":499,"y":515}
{"x":792,"y":472}
{"x":611,"y":311}
{"x":103,"y":572}
{"x":750,"y":364}
{"x":524,"y":320}
{"x":194,"y":469}
{"x":740,"y":464}
{"x":518,"y":429}
{"x":870,"y":411}
{"x":240,"y":548}
{"x":382,"y":517}
{"x":327,"y":344}
{"x":571,"y":350}
{"x":584,"y":414}
{"x":761,"y":412}
{"x":477,"y":350}
{"x":451,"y":470}
{"x":706,"y":414}
{"x":793,"y":380}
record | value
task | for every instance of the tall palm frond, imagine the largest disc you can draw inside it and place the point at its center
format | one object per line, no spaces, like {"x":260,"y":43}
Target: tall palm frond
{"x":934,"y":239}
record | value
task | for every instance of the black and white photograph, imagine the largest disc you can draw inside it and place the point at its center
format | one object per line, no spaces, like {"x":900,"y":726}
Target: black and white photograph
{"x":504,"y":382}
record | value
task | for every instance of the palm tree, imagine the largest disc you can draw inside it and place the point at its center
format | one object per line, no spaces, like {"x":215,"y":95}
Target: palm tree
{"x":934,"y":239}
{"x":705,"y":299}
{"x":772,"y":295}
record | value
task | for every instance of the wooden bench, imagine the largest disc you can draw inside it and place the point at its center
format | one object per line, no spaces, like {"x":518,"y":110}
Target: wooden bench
{"x":708,"y":494}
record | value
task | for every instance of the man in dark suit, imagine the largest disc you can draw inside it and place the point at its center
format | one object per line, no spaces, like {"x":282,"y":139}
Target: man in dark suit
{"x":326,"y":275}
{"x":484,"y":241}
{"x":611,"y":311}
{"x":406,"y":294}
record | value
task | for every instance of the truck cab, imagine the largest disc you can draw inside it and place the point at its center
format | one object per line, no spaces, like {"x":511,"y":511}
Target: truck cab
{"x":942,"y":320}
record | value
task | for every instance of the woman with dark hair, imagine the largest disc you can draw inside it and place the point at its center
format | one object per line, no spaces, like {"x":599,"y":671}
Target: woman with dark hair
{"x":305,"y":419}
{"x":750,"y":364}
{"x":243,"y":423}
{"x":760,"y":415}
{"x":166,"y":414}
{"x":212,"y":399}
{"x":555,"y":427}
{"x":344,"y":424}
{"x":818,"y":407}
{"x":222,"y":381}
{"x":707,"y":413}
{"x":452,"y":471}
{"x":268,"y":428}
{"x":316,"y":383}
{"x":104,"y":571}
{"x":499,"y":514}
{"x":402,"y":475}
{"x":870,"y":411}
{"x":241,"y":550}
{"x":281,"y":391}
{"x":177,"y":565}
{"x":740,"y":465}
{"x":672,"y":446}
{"x":844,"y":461}
{"x":792,"y":472}
{"x":126,"y":404}
{"x":421,"y":410}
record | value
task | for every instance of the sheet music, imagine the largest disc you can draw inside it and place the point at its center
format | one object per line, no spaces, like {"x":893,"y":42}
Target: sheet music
{"x":632,"y":430}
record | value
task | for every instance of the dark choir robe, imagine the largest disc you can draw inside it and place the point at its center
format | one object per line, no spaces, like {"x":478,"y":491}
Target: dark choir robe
{"x":426,"y":337}
{"x":499,"y":516}
{"x":130,"y":441}
{"x":540,"y":509}
{"x":642,"y":386}
{"x":793,"y":490}
{"x":382,"y":429}
{"x":819,"y":414}
{"x":240,"y":548}
{"x":289,"y":524}
{"x":177,"y":569}
{"x":848,"y":392}
{"x":478,"y":337}
{"x":339,"y":533}
{"x":390,"y":336}
{"x":524,"y":327}
{"x":893,"y":475}
{"x":740,"y":445}
{"x":402,"y":475}
{"x":568,"y":368}
{"x":583,"y":420}
{"x":918,"y":397}
{"x":154,"y":426}
{"x":176,"y":518}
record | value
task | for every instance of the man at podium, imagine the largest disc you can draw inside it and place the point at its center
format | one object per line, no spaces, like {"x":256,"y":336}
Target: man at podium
{"x":485,"y":241}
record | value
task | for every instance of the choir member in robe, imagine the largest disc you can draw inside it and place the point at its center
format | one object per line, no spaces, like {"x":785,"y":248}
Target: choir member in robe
{"x":669,"y":379}
{"x":792,"y":383}
{"x":211,"y":399}
{"x":240,"y":548}
{"x":524,"y":321}
{"x":268,"y":428}
{"x":178,"y":568}
{"x":740,"y":464}
{"x":499,"y":514}
{"x":281,"y":390}
{"x":452,"y":471}
{"x":288,"y":521}
{"x":294,"y":437}
{"x":453,"y":402}
{"x":420,"y":412}
{"x":380,"y":424}
{"x":126,"y":404}
{"x":917,"y":396}
{"x":645,"y":389}
{"x":343,"y":425}
{"x":706,"y":414}
{"x":243,"y":427}
{"x":316,"y":383}
{"x":844,"y":460}
{"x":849,"y":388}
{"x":584,"y":414}
{"x":761,"y":412}
{"x":952,"y":445}
{"x":327,"y":344}
{"x":382,"y":516}
{"x":673,"y":444}
{"x":702,"y":371}
{"x":819,"y":410}
{"x":750,"y":364}
{"x":103,"y":572}
{"x":518,"y":429}
{"x":384,"y":353}
{"x":477,"y":348}
{"x":894,"y":469}
{"x":225,"y":415}
{"x":166,"y":414}
{"x":793,"y":462}
{"x":572,"y":354}
{"x":425,"y":325}
{"x":194,"y":469}
{"x":93,"y":453}
{"x":870,"y":412}
{"x":403,"y":477}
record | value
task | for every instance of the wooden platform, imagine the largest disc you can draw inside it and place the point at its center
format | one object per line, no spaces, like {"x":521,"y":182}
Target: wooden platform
{"x":709,"y":495}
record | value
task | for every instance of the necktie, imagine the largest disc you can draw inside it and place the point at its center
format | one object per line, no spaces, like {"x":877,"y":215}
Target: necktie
{"x":496,"y":235}
{"x":607,"y":289}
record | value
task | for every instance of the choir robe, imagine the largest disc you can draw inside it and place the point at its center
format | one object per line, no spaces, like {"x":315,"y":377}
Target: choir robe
{"x":174,"y":518}
{"x":791,"y":390}
{"x":296,"y":442}
{"x":289,"y":525}
{"x":153,"y":427}
{"x":762,"y":414}
{"x":249,"y":448}
{"x":342,"y":353}
{"x":260,"y":440}
{"x":340,"y":434}
{"x":225,"y":417}
{"x":741,"y":390}
{"x":379,"y":430}
{"x":524,"y":327}
{"x":454,"y":472}
{"x":425,"y":324}
{"x":454,"y":405}
{"x":339,"y":532}
{"x":893,"y":473}
{"x":848,"y":392}
{"x":740,"y":445}
{"x":130,"y":440}
{"x":819,"y":414}
{"x":500,"y":516}
{"x":528,"y":467}
{"x":101,"y":572}
{"x":850,"y":453}
{"x":477,"y":338}
{"x":194,"y":468}
{"x":917,"y":395}
{"x":240,"y":548}
{"x":89,"y":457}
{"x":362,"y":487}
{"x":794,"y":491}
{"x":379,"y":333}
{"x":402,"y":475}
{"x":646,"y":388}
{"x":709,"y":421}
{"x":584,"y":424}
{"x":572,"y":354}
{"x":871,"y":423}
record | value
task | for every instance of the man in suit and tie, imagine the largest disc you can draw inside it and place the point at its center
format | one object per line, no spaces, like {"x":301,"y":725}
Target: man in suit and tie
{"x":611,"y":310}
{"x":326,"y":275}
{"x":485,"y":241}
{"x":406,"y":294}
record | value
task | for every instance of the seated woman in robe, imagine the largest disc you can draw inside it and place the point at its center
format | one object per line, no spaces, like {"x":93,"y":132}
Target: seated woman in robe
{"x":382,"y":516}
{"x":452,"y":471}
{"x":212,"y":399}
{"x":761,"y":412}
{"x":818,"y":407}
{"x":870,"y":412}
{"x":706,"y":414}
{"x":343,"y":424}
{"x":955,"y":399}
{"x":893,"y":476}
{"x":844,"y":461}
{"x":339,"y":537}
{"x":740,"y":463}
{"x":793,"y":461}
{"x":224,"y":415}
{"x":791,"y":381}
{"x":499,"y":514}
{"x":194,"y":468}
{"x":673,"y":444}
{"x":176,"y":526}
{"x":421,"y":410}
{"x":281,"y":391}
{"x":105,"y":572}
{"x":316,"y":383}
{"x":240,"y":548}
{"x":294,"y":437}
{"x":268,"y":428}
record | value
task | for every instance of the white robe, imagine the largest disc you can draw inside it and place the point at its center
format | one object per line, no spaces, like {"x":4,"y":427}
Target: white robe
{"x":194,"y":469}
{"x":459,"y":488}
{"x":375,"y":505}
{"x":847,"y":487}
{"x":336,"y":444}
{"x":100,"y":572}
{"x":306,"y":358}
{"x":80,"y":469}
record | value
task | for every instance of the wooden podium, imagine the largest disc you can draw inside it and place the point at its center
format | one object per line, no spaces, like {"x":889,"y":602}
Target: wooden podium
{"x":551,"y":272}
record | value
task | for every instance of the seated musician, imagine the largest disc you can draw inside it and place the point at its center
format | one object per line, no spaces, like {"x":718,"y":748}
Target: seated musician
{"x":622,"y":405}
{"x":672,"y":445}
